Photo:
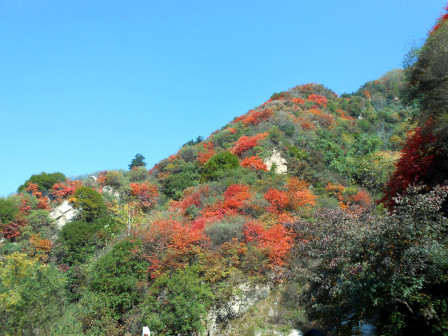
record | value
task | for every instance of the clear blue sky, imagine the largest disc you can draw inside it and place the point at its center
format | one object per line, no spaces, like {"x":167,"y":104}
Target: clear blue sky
{"x":85,"y":85}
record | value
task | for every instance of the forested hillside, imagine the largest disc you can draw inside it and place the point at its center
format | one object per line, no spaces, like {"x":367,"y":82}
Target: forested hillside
{"x":333,"y":205}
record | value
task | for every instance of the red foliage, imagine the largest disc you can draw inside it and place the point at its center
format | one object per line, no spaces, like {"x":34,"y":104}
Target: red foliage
{"x":247,"y":142}
{"x":25,"y":205}
{"x":299,"y":101}
{"x":235,"y":196}
{"x":344,"y":115}
{"x":42,"y":201}
{"x":362,"y":198}
{"x":440,"y":20}
{"x":12,"y":229}
{"x":307,"y":125}
{"x":254,"y":163}
{"x":276,"y":241}
{"x":278,"y":199}
{"x":417,"y":164}
{"x":190,"y":198}
{"x":318,"y":99}
{"x":255,"y":117}
{"x":146,"y":194}
{"x":367,"y":94}
{"x":208,"y":152}
{"x":299,"y":194}
{"x":40,"y":247}
{"x":64,"y":189}
{"x":101,"y":178}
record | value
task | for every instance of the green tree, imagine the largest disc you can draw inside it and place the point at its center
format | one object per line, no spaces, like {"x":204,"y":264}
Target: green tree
{"x":116,"y":275}
{"x":178,"y":303}
{"x":90,"y":202}
{"x":8,"y":210}
{"x":137,"y":161}
{"x":31,"y":296}
{"x":44,"y":181}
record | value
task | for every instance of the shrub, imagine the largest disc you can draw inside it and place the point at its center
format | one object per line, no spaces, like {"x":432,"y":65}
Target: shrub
{"x":177,"y":304}
{"x":40,"y":222}
{"x":175,"y":184}
{"x":77,"y":240}
{"x":31,"y":295}
{"x":188,"y":153}
{"x":113,"y":179}
{"x":44,"y":181}
{"x":225,"y":231}
{"x":90,"y":202}
{"x":8,"y":210}
{"x":219,"y":163}
{"x":116,"y":275}
{"x":137,"y":174}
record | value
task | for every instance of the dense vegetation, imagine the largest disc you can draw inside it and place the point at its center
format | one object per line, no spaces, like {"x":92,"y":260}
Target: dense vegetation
{"x":354,"y":233}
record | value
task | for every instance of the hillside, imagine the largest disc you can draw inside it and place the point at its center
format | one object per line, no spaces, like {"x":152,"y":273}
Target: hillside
{"x":272,"y":223}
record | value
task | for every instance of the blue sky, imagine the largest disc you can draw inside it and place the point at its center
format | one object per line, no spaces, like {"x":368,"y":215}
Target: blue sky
{"x":85,"y":85}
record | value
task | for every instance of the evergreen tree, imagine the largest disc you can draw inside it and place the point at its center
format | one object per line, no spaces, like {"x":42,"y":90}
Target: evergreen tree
{"x":137,"y":161}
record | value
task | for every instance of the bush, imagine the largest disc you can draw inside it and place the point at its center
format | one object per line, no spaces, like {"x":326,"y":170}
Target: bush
{"x":114,"y":179}
{"x":77,"y":240}
{"x":137,"y":174}
{"x":116,"y":276}
{"x":186,"y":175}
{"x":31,"y":296}
{"x":44,"y":181}
{"x":221,"y":162}
{"x":90,"y":202}
{"x":8,"y":210}
{"x":188,"y":153}
{"x":40,"y":222}
{"x":225,"y":231}
{"x":392,"y":271}
{"x":178,"y":303}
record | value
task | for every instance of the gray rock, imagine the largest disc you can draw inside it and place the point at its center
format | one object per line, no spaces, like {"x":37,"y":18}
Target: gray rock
{"x":63,"y":214}
{"x":277,"y":159}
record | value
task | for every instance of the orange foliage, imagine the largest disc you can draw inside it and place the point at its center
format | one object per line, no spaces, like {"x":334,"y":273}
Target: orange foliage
{"x":203,"y":157}
{"x":318,"y":99}
{"x":235,"y":196}
{"x":40,"y":247}
{"x":146,"y":194}
{"x":254,"y":163}
{"x":247,"y":142}
{"x":343,"y":115}
{"x":278,"y":199}
{"x":254,"y":117}
{"x":64,"y":189}
{"x":191,"y":198}
{"x":25,"y":205}
{"x":298,"y":101}
{"x":101,"y":178}
{"x":362,"y":198}
{"x":42,"y":201}
{"x":276,"y":241}
{"x":367,"y":94}
{"x":232,"y":130}
{"x":307,"y":125}
{"x":299,"y":194}
{"x":325,"y":119}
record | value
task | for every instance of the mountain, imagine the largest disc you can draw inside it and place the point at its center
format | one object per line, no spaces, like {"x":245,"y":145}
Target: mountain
{"x":272,"y":223}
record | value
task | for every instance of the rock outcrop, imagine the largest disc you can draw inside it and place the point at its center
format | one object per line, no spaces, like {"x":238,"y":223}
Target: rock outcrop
{"x":63,"y":214}
{"x":276,"y":160}
{"x":246,"y":296}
